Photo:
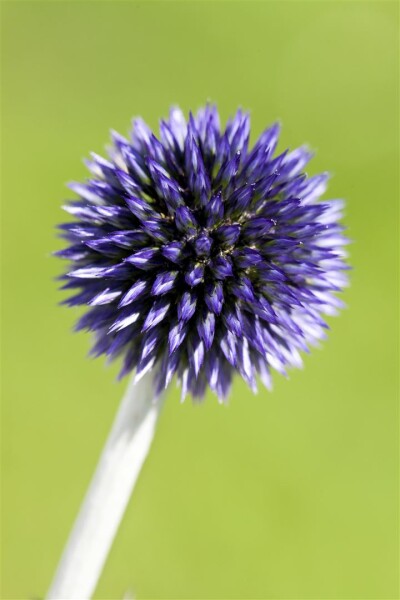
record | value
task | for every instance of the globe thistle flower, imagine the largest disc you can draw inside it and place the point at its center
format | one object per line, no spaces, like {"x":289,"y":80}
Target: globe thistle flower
{"x":200,"y":257}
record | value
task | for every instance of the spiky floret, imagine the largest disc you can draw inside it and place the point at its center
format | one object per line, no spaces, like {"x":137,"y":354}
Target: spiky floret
{"x":201,"y":257}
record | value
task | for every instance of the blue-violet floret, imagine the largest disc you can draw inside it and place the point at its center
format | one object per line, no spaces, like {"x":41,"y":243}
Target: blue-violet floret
{"x":199,"y":256}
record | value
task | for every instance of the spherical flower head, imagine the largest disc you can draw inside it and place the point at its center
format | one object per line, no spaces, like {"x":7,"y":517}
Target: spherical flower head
{"x":200,"y":257}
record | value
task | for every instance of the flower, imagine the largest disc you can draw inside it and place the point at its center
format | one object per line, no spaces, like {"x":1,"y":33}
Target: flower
{"x":201,"y":257}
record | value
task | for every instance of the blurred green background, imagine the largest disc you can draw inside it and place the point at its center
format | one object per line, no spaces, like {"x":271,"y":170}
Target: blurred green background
{"x":290,"y":494}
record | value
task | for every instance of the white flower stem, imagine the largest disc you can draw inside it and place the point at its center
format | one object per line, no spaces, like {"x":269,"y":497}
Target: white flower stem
{"x":108,"y":495}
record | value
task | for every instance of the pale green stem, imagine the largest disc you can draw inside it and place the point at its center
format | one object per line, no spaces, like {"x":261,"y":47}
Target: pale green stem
{"x":104,"y":505}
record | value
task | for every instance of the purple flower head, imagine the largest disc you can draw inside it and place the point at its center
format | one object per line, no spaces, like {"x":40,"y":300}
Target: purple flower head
{"x":201,"y":257}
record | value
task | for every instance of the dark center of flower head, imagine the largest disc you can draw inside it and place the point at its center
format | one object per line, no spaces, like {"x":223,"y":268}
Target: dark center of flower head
{"x":201,"y":257}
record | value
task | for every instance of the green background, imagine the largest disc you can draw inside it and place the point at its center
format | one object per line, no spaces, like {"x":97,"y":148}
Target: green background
{"x":289,"y":494}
